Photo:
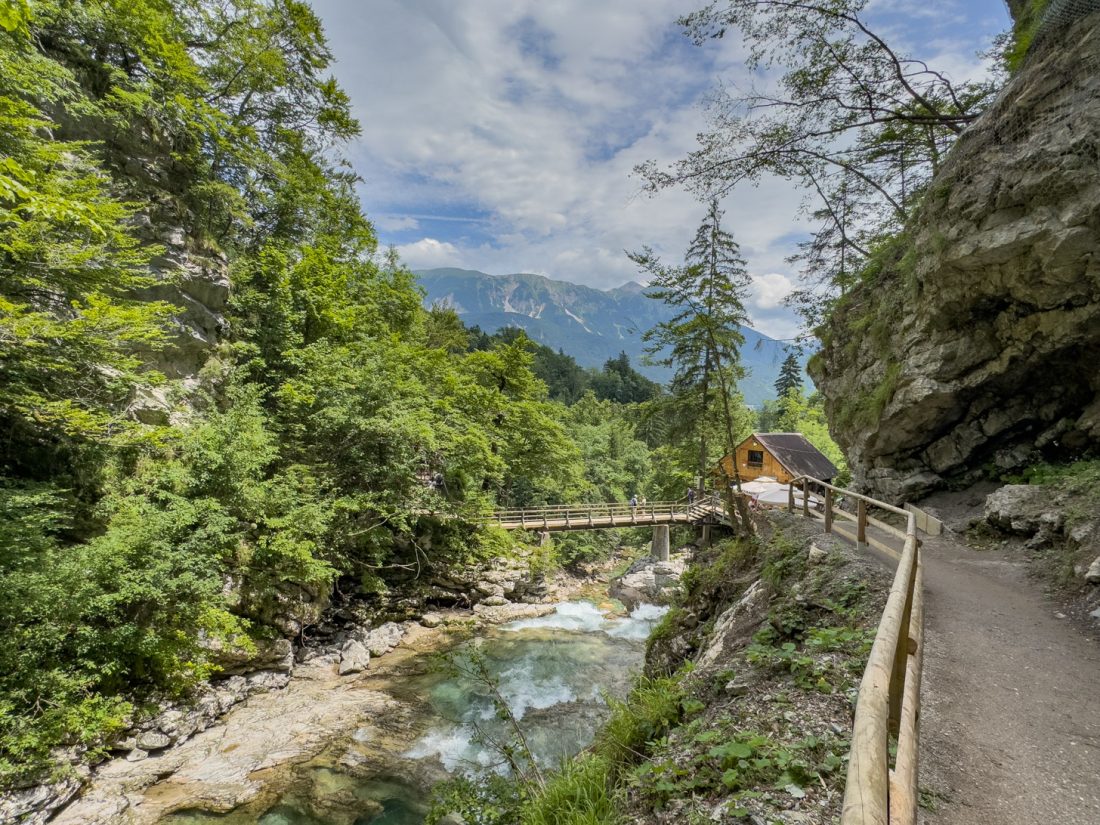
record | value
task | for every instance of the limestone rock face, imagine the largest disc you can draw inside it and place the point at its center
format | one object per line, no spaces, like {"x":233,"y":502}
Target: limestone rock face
{"x":649,"y":582}
{"x":989,"y":319}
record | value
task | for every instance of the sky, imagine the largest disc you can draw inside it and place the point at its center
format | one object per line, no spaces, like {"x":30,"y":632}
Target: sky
{"x":501,"y":135}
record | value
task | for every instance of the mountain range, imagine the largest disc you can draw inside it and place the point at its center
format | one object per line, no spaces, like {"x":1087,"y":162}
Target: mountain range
{"x":592,"y":325}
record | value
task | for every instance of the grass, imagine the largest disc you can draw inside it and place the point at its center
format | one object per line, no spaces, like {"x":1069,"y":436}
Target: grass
{"x":581,"y":793}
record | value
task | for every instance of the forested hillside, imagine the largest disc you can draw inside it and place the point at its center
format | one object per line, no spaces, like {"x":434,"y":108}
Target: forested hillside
{"x":157,"y":154}
{"x":221,"y":402}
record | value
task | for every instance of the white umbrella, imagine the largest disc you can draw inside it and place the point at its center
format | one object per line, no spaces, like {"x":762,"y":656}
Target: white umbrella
{"x":764,"y":484}
{"x":781,"y":497}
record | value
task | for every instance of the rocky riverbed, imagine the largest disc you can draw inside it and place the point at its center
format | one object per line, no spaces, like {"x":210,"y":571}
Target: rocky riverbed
{"x":357,"y":727}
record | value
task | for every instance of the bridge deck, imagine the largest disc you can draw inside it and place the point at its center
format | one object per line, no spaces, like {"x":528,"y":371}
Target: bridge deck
{"x":604,"y":516}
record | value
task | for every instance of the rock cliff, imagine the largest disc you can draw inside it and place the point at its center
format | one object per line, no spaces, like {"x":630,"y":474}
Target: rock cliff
{"x":977,"y":344}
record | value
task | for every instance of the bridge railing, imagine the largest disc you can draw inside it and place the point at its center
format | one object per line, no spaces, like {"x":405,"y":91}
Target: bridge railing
{"x":888,"y":704}
{"x":581,"y":514}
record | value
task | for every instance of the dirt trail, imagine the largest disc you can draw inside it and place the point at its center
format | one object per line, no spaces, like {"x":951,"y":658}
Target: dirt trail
{"x":1010,"y":729}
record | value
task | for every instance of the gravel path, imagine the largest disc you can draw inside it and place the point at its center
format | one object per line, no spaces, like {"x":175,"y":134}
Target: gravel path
{"x":1010,"y":727}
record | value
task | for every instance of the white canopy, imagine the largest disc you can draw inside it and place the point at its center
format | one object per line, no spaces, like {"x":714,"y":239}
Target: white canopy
{"x":764,"y":484}
{"x":779,"y":495}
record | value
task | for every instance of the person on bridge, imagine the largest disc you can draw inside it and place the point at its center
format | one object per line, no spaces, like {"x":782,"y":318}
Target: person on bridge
{"x":633,"y":502}
{"x":691,"y":495}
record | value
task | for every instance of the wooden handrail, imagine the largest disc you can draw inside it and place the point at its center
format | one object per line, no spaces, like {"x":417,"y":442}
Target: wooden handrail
{"x":612,"y":514}
{"x":889,"y":693}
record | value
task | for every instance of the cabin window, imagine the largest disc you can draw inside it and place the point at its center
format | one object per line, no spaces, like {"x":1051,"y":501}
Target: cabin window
{"x":756,"y":458}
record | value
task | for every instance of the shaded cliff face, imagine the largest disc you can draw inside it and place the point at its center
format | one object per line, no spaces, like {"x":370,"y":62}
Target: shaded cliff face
{"x":978,"y":344}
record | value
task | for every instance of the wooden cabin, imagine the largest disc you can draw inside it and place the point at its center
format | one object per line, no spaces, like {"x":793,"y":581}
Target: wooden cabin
{"x":781,"y":456}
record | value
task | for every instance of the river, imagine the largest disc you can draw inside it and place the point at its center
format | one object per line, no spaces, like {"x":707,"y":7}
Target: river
{"x":553,"y":672}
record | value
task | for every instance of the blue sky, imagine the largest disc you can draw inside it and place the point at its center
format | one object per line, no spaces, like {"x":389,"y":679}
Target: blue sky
{"x":501,"y":135}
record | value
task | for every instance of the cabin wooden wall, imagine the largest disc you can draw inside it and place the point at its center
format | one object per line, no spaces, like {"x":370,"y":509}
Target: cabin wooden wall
{"x":771,"y":468}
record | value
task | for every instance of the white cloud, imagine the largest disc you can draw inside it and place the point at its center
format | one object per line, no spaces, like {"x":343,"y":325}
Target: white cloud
{"x":394,"y":223}
{"x":769,"y":290}
{"x":428,"y":253}
{"x":530,"y":117}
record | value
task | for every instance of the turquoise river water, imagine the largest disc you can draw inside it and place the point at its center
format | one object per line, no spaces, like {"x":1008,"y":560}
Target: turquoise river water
{"x":553,"y":672}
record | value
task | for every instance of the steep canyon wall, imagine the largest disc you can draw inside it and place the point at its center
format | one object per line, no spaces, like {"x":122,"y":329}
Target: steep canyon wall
{"x":977,"y":345}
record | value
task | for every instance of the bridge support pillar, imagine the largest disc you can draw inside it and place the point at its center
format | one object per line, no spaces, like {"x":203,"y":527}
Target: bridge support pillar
{"x":660,"y":542}
{"x":704,"y":535}
{"x":544,"y":538}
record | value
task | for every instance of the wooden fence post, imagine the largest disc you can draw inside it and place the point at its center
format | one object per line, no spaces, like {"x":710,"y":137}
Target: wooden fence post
{"x":828,"y":509}
{"x":861,"y":521}
{"x":790,"y":496}
{"x":805,"y":498}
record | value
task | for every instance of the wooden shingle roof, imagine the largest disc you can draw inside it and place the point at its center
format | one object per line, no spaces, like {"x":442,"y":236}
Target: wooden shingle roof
{"x":797,"y":455}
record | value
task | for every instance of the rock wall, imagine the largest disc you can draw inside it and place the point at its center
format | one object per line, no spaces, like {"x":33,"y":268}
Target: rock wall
{"x":978,"y":344}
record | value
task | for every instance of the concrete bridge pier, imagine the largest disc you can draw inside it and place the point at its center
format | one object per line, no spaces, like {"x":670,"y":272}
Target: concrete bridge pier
{"x":704,"y":536}
{"x":660,"y":542}
{"x":544,"y":538}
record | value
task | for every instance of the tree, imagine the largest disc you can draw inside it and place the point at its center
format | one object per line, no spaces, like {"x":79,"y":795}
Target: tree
{"x":702,"y":340}
{"x":789,"y":379}
{"x":860,"y":126}
{"x":620,"y":382}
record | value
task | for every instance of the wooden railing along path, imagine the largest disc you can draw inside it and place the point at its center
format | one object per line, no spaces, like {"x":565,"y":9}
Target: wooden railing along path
{"x":889,"y":693}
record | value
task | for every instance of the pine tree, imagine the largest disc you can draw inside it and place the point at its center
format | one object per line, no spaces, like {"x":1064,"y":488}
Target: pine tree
{"x":790,"y":376}
{"x":702,"y":340}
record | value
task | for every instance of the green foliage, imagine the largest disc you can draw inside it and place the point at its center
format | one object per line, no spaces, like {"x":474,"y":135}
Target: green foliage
{"x":790,"y":376}
{"x":130,"y":551}
{"x":865,"y":410}
{"x":565,"y":379}
{"x":581,"y":793}
{"x":1024,"y":29}
{"x":702,"y":340}
{"x":736,"y":763}
{"x":616,"y":463}
{"x":652,"y":706}
{"x":487,"y":800}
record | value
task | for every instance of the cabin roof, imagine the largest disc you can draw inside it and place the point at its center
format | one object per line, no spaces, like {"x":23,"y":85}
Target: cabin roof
{"x":797,"y":455}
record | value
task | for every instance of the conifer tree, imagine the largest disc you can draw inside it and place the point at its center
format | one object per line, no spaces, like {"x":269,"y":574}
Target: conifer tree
{"x":702,"y":340}
{"x":790,"y":376}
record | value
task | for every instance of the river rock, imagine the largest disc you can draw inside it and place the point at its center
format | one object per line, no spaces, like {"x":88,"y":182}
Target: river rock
{"x":648,"y":582}
{"x":381,"y":640}
{"x":816,"y":555}
{"x":494,"y":601}
{"x":153,"y":741}
{"x":354,"y":657}
{"x":431,"y":620}
{"x":498,"y":614}
{"x":1092,"y":575}
{"x":33,"y":806}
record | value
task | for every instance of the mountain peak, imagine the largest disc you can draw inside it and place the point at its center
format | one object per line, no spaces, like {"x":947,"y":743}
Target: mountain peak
{"x":629,"y":288}
{"x":590,"y":324}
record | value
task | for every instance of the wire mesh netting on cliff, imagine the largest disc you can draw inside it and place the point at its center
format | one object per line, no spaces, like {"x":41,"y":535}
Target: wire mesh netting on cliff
{"x":1056,"y":95}
{"x":1059,"y":14}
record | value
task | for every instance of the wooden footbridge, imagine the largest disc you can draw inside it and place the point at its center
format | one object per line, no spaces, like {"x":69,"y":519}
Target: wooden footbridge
{"x":558,"y":517}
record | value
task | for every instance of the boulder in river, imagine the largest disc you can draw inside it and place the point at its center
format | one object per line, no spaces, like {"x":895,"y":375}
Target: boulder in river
{"x":354,"y":657}
{"x":381,"y":640}
{"x":649,"y":582}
